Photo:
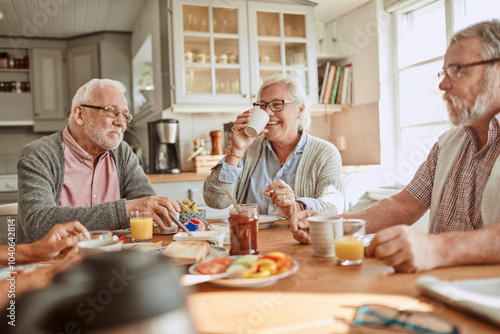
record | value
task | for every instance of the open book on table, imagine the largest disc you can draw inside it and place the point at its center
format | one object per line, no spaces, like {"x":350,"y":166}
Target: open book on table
{"x":479,"y":296}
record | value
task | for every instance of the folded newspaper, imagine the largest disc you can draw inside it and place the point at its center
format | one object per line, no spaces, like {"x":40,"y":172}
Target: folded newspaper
{"x":479,"y":296}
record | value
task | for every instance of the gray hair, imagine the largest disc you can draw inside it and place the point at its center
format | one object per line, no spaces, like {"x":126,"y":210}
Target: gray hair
{"x":295,"y":91}
{"x":488,"y":31}
{"x":84,"y":94}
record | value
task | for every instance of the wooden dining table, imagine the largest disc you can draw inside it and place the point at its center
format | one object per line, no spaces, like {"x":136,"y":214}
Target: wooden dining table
{"x":322,"y":297}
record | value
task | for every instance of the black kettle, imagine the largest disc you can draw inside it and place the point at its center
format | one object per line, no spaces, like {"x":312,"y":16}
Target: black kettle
{"x":115,"y":292}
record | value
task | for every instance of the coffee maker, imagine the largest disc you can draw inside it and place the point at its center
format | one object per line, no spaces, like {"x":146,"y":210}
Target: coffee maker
{"x":164,"y":146}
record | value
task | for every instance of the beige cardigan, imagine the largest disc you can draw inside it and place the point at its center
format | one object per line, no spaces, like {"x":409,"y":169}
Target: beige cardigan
{"x":319,"y":176}
{"x":450,"y":143}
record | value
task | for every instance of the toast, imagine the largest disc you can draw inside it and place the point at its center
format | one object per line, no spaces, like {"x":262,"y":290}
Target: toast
{"x":187,"y":251}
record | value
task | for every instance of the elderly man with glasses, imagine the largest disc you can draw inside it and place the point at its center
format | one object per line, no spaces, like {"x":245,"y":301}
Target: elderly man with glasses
{"x":283,"y":169}
{"x":86,"y":172}
{"x":459,"y":182}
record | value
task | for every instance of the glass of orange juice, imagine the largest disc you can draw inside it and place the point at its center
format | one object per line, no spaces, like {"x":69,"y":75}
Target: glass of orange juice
{"x":349,"y":248}
{"x":141,"y":225}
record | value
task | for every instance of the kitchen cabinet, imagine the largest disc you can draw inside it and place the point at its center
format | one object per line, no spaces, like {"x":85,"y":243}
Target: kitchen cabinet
{"x":223,"y":51}
{"x":37,"y":86}
{"x":102,"y":55}
{"x":48,"y":87}
{"x":16,"y":105}
{"x":82,"y":65}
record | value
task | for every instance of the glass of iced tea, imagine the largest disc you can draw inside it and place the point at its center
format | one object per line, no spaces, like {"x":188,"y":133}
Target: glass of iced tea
{"x":244,"y":225}
{"x":349,"y":247}
{"x":141,"y":225}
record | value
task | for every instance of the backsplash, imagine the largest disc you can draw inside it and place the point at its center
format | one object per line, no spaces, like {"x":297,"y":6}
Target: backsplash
{"x":13,"y":138}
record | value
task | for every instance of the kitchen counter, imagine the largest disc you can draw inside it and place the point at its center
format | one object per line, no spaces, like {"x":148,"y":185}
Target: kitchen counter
{"x":181,"y":177}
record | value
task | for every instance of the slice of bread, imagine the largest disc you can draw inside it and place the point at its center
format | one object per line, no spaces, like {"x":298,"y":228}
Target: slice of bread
{"x":187,"y":251}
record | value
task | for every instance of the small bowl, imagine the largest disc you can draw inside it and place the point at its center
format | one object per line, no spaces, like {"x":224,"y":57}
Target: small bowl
{"x":187,"y":217}
{"x":99,"y":246}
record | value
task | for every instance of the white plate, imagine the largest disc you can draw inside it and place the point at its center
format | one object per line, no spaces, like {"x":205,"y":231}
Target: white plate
{"x":125,"y":232}
{"x":249,"y":282}
{"x":5,"y":272}
{"x":264,"y":220}
{"x":213,"y":253}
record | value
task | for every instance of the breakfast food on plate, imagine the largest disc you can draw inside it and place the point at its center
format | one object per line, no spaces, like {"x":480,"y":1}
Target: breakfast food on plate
{"x":187,"y":251}
{"x":248,"y":266}
{"x":269,"y":264}
{"x":241,"y":264}
{"x":143,"y":247}
{"x":216,"y":266}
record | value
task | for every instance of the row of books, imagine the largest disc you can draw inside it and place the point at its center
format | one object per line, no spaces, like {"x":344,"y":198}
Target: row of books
{"x":335,"y":84}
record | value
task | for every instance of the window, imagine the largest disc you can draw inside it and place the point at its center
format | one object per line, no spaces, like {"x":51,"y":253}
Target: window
{"x":422,"y":35}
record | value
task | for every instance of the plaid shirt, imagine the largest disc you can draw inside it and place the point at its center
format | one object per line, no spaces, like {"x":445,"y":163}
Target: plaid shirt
{"x":460,"y":207}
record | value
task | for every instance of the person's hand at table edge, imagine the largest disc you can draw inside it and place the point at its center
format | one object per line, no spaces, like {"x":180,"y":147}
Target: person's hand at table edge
{"x":299,"y":225}
{"x":160,"y":206}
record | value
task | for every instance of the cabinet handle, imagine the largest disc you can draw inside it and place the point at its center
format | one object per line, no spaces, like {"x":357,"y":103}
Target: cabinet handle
{"x":246,"y":96}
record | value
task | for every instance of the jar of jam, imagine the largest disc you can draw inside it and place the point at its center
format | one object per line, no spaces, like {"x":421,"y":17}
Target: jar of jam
{"x":244,"y":226}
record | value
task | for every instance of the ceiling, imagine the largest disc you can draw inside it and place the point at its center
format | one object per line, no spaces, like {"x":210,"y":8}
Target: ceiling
{"x":66,"y":18}
{"x":63,"y":19}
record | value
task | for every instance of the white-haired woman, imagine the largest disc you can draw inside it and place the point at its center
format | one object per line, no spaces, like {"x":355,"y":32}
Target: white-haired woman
{"x":284,"y":169}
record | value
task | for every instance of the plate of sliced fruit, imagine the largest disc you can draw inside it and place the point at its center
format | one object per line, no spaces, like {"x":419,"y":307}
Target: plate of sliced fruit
{"x":247,"y":271}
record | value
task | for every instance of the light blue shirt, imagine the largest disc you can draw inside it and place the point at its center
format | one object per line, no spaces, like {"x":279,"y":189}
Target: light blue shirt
{"x":268,"y":170}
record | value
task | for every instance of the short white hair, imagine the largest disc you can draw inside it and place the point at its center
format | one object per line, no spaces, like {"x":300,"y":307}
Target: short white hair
{"x":84,"y":94}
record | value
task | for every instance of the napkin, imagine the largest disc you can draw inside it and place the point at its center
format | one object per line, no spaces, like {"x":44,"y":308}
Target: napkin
{"x":479,"y":296}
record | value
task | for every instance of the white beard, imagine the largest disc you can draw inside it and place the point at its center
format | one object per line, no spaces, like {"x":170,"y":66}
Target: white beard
{"x":466,"y":116}
{"x":100,"y":138}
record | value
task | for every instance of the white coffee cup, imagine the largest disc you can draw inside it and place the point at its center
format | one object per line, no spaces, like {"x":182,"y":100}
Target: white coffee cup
{"x":321,"y":229}
{"x":257,"y":123}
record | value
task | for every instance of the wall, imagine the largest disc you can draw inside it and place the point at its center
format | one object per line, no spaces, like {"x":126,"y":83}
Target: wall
{"x":357,"y":130}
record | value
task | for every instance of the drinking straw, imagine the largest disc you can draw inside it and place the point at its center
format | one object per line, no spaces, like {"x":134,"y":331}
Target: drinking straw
{"x":232,"y":199}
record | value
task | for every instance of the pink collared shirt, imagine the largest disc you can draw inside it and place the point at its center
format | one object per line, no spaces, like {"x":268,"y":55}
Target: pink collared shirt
{"x":85,"y":185}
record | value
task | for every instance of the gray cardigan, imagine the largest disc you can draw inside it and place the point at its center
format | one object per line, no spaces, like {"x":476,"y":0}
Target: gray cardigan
{"x":40,"y":171}
{"x":319,"y":176}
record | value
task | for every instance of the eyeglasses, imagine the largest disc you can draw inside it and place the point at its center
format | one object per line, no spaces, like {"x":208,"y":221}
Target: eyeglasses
{"x":274,"y":105}
{"x":413,"y":322}
{"x":110,"y":112}
{"x":452,"y":71}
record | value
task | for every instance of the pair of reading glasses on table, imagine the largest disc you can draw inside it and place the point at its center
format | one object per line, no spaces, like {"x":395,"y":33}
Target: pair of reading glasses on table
{"x":379,"y":316}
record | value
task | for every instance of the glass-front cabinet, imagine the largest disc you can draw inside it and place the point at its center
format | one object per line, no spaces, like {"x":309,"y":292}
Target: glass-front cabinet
{"x":280,"y":44}
{"x":211,"y":52}
{"x":224,"y":50}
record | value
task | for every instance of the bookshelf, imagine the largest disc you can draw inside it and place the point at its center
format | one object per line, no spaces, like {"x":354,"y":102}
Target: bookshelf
{"x":334,"y":90}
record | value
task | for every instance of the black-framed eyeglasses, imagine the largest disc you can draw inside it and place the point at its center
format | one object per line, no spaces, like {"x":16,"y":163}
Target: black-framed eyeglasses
{"x":274,"y":105}
{"x":452,"y":71}
{"x":414,"y":322}
{"x":110,"y":112}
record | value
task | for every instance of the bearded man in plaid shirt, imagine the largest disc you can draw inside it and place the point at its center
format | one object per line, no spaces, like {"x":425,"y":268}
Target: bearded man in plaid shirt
{"x":458,"y":182}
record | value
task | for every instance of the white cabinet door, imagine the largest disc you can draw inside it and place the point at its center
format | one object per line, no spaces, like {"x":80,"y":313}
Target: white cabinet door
{"x":210,"y":52}
{"x":281,"y":39}
{"x":83,"y":65}
{"x":48,"y":89}
{"x":224,"y":50}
